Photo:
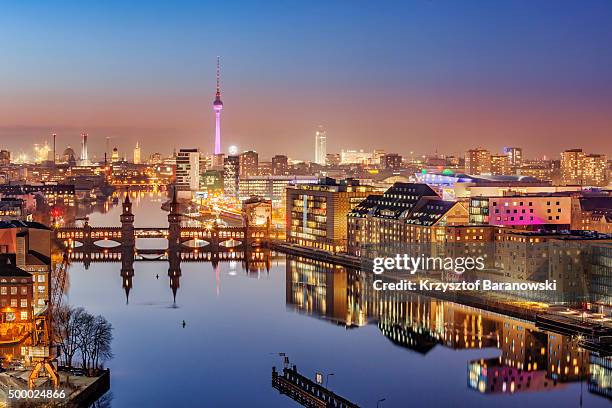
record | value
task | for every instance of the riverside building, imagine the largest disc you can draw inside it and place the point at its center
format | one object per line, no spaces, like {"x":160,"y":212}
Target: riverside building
{"x":316,"y":213}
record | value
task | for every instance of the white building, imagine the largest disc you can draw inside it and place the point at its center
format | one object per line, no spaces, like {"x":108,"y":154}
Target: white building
{"x":188,"y":170}
{"x":320,"y":146}
{"x":355,"y":157}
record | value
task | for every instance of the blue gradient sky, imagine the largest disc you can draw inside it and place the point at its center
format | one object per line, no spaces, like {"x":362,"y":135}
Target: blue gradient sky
{"x":406,"y":75}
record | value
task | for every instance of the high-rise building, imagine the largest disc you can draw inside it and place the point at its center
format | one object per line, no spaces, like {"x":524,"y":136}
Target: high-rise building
{"x":579,"y":168}
{"x":391,"y":161}
{"x":84,"y":153}
{"x":515,"y":155}
{"x":320,"y":146}
{"x":137,"y":154}
{"x":280,"y":166}
{"x":316,"y":213}
{"x":594,"y":170}
{"x":231,"y":173}
{"x":571,"y":167}
{"x":217,"y":107}
{"x":249,"y":163}
{"x":500,"y":165}
{"x":188,"y":170}
{"x":478,"y":161}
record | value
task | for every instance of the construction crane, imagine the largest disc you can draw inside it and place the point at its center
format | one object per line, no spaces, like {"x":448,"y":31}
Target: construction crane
{"x":42,"y":328}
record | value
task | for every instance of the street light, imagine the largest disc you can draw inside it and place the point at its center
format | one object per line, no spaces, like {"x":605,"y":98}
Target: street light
{"x":380,"y":401}
{"x":327,"y":379}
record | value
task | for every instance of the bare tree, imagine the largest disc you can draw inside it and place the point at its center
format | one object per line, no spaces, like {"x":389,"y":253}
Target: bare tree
{"x":101,"y":342}
{"x":80,"y":334}
{"x":67,"y":321}
{"x":85,"y":338}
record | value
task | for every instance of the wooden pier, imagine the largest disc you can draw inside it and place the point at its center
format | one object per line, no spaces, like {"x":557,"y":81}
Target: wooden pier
{"x":307,"y":392}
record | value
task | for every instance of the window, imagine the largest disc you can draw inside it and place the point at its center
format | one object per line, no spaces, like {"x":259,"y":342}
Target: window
{"x":13,"y":290}
{"x":13,"y":302}
{"x":24,"y":303}
{"x":24,"y":316}
{"x":41,"y":278}
{"x":3,"y":290}
{"x":24,"y":290}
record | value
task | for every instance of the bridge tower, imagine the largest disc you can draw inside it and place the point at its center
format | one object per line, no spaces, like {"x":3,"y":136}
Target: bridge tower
{"x":174,"y":270}
{"x":127,"y":222}
{"x":127,"y":270}
{"x":174,"y":222}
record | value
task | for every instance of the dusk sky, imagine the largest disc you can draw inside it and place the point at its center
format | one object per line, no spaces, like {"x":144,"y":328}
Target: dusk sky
{"x":400,"y":76}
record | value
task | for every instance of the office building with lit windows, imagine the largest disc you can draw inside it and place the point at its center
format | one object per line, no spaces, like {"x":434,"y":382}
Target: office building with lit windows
{"x":569,"y":210}
{"x":15,"y":300}
{"x":500,"y":165}
{"x":579,"y":168}
{"x":407,"y":213}
{"x":249,"y":163}
{"x":188,"y":170}
{"x":280,"y":166}
{"x":595,"y":170}
{"x":273,"y":188}
{"x":231,"y":175}
{"x":515,"y":155}
{"x":316,"y":213}
{"x":478,"y":161}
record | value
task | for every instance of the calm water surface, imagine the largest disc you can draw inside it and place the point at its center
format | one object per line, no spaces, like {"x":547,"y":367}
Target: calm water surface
{"x":418,"y":354}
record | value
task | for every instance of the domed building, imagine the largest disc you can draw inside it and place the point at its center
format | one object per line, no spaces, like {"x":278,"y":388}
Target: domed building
{"x":69,"y":156}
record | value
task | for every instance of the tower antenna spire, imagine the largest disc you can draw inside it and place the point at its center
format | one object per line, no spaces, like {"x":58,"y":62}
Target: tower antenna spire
{"x":218,"y":106}
{"x":218,"y":77}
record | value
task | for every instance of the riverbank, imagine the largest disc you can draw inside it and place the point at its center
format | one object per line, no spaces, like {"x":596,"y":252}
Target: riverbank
{"x":540,"y":315}
{"x":79,"y":391}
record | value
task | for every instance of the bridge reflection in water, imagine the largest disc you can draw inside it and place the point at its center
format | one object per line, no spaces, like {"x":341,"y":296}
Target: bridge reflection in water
{"x":529,"y":359}
{"x":89,"y":244}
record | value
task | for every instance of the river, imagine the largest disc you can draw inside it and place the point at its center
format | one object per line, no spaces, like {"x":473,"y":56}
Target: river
{"x":420,"y":352}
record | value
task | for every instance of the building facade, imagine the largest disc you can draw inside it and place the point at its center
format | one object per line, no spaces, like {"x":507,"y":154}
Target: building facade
{"x":249,"y":163}
{"x":478,"y":161}
{"x":188,"y":170}
{"x":316,"y":213}
{"x":320,"y":146}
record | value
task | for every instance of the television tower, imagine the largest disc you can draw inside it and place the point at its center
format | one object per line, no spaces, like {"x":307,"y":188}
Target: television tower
{"x":218,"y":106}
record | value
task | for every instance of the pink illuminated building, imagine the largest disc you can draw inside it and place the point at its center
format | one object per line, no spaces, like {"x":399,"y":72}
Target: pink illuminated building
{"x":218,"y":106}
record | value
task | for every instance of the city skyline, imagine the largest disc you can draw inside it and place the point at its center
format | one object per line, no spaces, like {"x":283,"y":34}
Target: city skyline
{"x":447,"y":77}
